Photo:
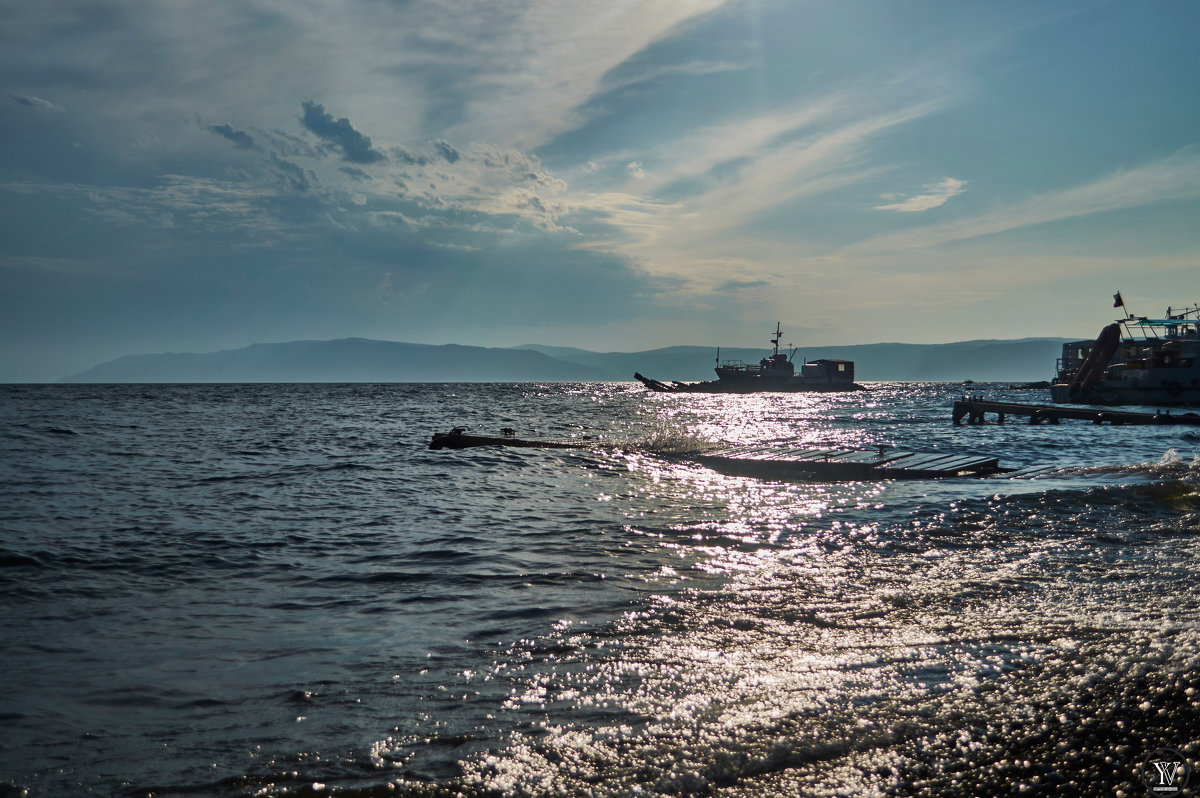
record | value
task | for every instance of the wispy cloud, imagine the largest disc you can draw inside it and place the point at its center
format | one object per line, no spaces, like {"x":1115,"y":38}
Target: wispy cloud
{"x":1176,"y":177}
{"x":811,"y":164}
{"x":536,"y":72}
{"x":699,"y":153}
{"x":936,"y":195}
{"x":742,"y":170}
{"x":614,"y":82}
{"x":29,"y":101}
{"x":713,"y":157}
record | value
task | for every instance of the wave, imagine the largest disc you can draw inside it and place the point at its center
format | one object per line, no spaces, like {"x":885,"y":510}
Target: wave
{"x":288,"y":472}
{"x":673,"y":442}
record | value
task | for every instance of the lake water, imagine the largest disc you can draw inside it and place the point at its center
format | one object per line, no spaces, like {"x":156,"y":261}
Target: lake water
{"x":266,"y":590}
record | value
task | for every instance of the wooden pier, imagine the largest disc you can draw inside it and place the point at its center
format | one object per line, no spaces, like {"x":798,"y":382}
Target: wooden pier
{"x":974,"y":409}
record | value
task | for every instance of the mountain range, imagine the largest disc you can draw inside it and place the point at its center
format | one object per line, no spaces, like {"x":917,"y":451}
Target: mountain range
{"x":364,"y":360}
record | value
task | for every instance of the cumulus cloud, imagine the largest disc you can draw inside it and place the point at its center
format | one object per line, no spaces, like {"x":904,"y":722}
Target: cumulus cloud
{"x":355,"y":173}
{"x":403,"y":156}
{"x":479,"y":187}
{"x":449,"y":153}
{"x":355,"y":147}
{"x":291,"y":176}
{"x":239,"y":137}
{"x":936,"y":195}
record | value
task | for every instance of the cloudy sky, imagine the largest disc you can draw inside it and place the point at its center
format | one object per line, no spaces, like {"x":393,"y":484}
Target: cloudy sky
{"x":178,"y":175}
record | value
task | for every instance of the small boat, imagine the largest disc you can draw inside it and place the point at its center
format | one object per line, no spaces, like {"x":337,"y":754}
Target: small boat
{"x":1134,"y":361}
{"x":776,"y":373}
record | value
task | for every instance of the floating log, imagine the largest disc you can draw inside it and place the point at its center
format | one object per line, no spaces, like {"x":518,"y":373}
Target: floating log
{"x":974,"y":409}
{"x":458,"y":438}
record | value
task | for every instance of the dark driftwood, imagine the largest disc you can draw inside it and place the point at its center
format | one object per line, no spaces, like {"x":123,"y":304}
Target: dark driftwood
{"x":456,"y":439}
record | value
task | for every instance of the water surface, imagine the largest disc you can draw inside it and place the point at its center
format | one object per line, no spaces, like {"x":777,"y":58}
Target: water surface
{"x":279,"y":590}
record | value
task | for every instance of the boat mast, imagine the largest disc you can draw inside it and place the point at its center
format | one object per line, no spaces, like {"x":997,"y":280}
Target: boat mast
{"x":778,"y":336}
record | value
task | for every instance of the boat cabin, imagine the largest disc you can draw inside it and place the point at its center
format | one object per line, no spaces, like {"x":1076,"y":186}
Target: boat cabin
{"x":1073,"y":355}
{"x":828,"y":370}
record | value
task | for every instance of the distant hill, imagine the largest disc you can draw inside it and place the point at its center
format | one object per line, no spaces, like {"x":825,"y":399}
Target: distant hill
{"x":1023,"y":360}
{"x":364,"y":360}
{"x":343,"y":360}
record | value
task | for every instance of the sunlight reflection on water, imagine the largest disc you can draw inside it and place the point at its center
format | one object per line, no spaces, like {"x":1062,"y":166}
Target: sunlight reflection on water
{"x":305,"y":594}
{"x":852,"y":623}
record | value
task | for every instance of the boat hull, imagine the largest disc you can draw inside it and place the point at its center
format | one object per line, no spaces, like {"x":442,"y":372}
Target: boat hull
{"x":773,"y":374}
{"x":1103,"y":393}
{"x":1154,"y":362}
{"x":719,"y":387}
{"x":794,"y":385}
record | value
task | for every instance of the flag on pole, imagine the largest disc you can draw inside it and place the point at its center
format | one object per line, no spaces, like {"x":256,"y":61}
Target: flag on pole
{"x":1117,"y":301}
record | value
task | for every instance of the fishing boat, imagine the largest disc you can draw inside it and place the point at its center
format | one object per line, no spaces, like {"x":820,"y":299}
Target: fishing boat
{"x":775,"y":373}
{"x":1134,"y":361}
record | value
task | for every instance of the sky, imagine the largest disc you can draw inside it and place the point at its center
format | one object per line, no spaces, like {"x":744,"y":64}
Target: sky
{"x":184,"y":176}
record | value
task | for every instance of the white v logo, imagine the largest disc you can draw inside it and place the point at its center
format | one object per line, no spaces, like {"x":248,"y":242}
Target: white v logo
{"x":1166,"y":772}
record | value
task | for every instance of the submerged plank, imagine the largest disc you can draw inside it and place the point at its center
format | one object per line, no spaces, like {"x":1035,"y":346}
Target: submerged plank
{"x":767,"y":462}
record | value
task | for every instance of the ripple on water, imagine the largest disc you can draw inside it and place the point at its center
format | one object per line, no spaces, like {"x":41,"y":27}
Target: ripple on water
{"x":279,"y":590}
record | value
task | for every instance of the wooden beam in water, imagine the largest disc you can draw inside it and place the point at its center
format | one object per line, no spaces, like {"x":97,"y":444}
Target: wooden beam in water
{"x":764,"y":462}
{"x":458,"y":439}
{"x":922,"y":461}
{"x":851,"y":464}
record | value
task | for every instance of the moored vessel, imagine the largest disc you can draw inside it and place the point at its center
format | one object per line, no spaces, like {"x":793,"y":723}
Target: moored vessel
{"x":775,"y":373}
{"x":1134,"y":361}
